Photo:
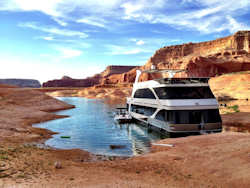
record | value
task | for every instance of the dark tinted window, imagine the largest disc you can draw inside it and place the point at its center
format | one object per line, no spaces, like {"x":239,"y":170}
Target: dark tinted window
{"x":148,"y":111}
{"x":184,"y":117}
{"x":161,"y":115}
{"x":144,"y":93}
{"x":184,"y":92}
{"x":189,"y":116}
{"x":211,"y":116}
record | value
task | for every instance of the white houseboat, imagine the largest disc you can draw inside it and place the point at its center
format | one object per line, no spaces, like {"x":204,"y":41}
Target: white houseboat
{"x":175,"y":105}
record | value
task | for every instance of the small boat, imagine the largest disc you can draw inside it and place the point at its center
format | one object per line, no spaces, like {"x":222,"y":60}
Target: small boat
{"x":122,"y":115}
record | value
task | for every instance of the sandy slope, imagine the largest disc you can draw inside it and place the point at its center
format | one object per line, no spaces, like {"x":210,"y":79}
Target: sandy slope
{"x":234,"y":85}
{"x":19,"y":108}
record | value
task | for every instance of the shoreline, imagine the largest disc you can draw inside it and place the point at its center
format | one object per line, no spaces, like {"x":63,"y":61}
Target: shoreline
{"x":28,"y":166}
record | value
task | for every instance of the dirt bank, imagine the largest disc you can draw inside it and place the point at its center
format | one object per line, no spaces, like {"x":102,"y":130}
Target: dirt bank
{"x":218,"y":160}
{"x":20,"y":108}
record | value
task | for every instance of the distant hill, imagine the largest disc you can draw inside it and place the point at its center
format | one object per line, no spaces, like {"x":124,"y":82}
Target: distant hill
{"x":21,"y":82}
{"x":67,"y":81}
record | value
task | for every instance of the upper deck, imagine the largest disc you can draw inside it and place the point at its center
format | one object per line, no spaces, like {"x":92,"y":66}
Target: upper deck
{"x":172,"y":82}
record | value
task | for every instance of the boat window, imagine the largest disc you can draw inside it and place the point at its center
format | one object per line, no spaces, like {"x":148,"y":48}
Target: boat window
{"x":212,"y":116}
{"x":184,"y":92}
{"x":184,"y":117}
{"x":144,"y":93}
{"x":144,"y":110}
{"x":160,"y":115}
{"x":189,"y":116}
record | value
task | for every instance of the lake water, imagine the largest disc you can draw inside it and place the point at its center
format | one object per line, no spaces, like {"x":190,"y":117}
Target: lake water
{"x":91,"y":127}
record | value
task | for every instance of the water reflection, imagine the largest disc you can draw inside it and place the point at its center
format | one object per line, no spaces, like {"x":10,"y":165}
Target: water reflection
{"x":91,"y":127}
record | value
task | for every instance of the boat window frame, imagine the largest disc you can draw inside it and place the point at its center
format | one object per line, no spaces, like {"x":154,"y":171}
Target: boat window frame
{"x":172,"y":117}
{"x":143,"y":91}
{"x":173,"y":95}
{"x":139,"y":111}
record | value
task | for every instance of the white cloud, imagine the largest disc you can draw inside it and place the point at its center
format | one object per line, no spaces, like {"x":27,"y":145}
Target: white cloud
{"x":140,"y":42}
{"x":93,"y":21}
{"x":206,"y":16}
{"x":45,"y":6}
{"x":234,"y":26}
{"x":131,"y":10}
{"x":121,"y":50}
{"x":60,"y":22}
{"x":54,"y":30}
{"x":68,"y":52}
{"x":207,"y":25}
{"x":61,"y":8}
{"x":48,"y":38}
{"x":133,"y":39}
{"x":73,"y":43}
{"x":137,"y":42}
{"x":209,"y":16}
{"x":129,"y":52}
{"x":143,"y":10}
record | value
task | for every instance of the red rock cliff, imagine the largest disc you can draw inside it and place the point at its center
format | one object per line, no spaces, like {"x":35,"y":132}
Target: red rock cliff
{"x":223,"y":55}
{"x":204,"y":59}
{"x":90,"y":81}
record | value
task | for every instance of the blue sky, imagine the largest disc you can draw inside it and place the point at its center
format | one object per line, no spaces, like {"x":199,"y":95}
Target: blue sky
{"x":45,"y":39}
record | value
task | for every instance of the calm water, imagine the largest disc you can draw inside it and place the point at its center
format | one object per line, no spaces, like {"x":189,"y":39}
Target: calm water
{"x":91,"y":127}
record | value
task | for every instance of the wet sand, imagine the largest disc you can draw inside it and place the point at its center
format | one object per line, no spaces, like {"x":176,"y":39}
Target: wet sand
{"x":216,"y":160}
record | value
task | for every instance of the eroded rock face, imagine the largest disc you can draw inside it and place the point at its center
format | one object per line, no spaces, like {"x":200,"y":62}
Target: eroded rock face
{"x":115,"y":69}
{"x":204,"y":59}
{"x":102,"y":78}
{"x":21,"y":82}
{"x":69,"y":82}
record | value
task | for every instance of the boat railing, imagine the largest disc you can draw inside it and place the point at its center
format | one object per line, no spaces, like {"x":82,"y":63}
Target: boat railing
{"x":194,"y":80}
{"x":121,"y":111}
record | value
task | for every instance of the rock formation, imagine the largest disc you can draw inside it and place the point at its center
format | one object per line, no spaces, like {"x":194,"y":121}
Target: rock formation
{"x":115,"y":69}
{"x":101,"y":78}
{"x":231,"y":86}
{"x":21,"y":82}
{"x":69,"y":82}
{"x":204,"y":59}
